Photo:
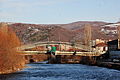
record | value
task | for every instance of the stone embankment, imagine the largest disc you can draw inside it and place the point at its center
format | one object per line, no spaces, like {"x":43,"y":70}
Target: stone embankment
{"x":87,"y":60}
{"x":111,"y":65}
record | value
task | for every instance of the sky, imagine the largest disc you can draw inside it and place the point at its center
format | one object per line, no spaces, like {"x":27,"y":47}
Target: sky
{"x":59,"y":11}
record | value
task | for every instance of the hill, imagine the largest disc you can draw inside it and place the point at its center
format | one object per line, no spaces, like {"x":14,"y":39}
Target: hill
{"x":30,"y":33}
{"x":81,"y":24}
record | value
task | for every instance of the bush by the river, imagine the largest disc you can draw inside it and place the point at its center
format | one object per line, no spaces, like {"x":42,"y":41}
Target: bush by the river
{"x":10,"y":60}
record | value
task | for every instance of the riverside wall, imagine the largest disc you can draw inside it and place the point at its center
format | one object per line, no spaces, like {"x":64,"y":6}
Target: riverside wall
{"x":35,"y":58}
{"x":86,"y":60}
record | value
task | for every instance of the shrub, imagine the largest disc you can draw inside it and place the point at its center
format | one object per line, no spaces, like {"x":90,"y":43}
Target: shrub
{"x":10,"y":60}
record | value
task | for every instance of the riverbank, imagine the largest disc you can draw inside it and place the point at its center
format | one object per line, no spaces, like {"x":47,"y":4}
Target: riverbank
{"x":110,"y":65}
{"x":26,"y":59}
{"x":12,"y":70}
{"x":86,"y":60}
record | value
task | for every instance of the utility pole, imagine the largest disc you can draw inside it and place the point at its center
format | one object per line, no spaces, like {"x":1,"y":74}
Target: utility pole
{"x":59,"y":41}
{"x":87,"y":35}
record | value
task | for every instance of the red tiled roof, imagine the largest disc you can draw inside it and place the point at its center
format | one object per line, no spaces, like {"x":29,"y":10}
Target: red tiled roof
{"x":101,"y":45}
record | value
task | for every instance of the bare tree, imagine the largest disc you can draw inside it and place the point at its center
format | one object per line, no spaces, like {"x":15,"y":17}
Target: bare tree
{"x":3,"y":27}
{"x":10,"y":60}
{"x":87,"y":34}
{"x":118,"y":32}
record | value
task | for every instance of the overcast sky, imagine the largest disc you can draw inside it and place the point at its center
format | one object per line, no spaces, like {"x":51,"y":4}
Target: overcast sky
{"x":59,"y":11}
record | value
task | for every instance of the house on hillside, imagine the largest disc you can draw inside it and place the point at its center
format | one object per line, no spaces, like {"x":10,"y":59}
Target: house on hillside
{"x":110,"y":29}
{"x":97,"y":41}
{"x":101,"y":47}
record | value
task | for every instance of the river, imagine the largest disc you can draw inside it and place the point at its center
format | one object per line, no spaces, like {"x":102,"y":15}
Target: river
{"x":37,"y":71}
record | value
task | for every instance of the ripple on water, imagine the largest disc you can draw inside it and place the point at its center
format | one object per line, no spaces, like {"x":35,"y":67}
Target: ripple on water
{"x":63,"y":72}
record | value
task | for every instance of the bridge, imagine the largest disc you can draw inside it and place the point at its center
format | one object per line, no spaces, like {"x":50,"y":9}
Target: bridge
{"x":86,"y":50}
{"x":28,"y":46}
{"x":78,"y":51}
{"x":63,"y":53}
{"x":78,"y":46}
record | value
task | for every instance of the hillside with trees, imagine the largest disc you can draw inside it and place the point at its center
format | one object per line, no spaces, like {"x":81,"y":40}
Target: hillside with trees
{"x":30,"y":33}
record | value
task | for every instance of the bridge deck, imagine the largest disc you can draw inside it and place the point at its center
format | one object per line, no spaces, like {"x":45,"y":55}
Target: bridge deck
{"x":62,"y":53}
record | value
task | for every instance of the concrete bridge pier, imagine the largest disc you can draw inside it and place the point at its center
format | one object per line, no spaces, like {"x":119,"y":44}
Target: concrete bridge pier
{"x":54,"y":59}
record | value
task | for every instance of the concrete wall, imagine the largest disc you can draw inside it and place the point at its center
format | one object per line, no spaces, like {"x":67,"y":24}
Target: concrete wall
{"x":114,"y":54}
{"x":36,"y":58}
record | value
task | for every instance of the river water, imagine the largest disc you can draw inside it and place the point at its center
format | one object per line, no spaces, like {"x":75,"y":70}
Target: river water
{"x":37,"y":71}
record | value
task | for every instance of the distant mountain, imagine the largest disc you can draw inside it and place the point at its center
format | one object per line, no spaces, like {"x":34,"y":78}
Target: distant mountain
{"x":81,"y":24}
{"x":30,"y":33}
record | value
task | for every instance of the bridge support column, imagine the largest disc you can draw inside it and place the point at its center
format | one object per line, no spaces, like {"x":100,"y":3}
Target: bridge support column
{"x":54,"y":59}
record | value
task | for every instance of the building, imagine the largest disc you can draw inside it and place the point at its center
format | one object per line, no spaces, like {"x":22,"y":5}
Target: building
{"x":113,"y":45}
{"x":113,"y":49}
{"x":101,"y":47}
